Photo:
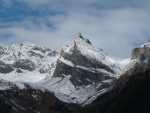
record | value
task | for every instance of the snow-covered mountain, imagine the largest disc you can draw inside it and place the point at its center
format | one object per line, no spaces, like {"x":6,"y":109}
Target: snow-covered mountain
{"x":77,"y":74}
{"x":26,"y":62}
{"x":82,"y":72}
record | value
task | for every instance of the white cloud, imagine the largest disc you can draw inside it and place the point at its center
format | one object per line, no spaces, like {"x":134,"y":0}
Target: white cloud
{"x":114,"y":30}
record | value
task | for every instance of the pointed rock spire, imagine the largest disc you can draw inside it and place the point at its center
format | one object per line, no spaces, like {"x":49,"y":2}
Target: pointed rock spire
{"x":80,"y":35}
{"x":80,"y":38}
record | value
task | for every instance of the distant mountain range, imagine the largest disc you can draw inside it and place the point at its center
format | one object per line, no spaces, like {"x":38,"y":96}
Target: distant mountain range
{"x":77,"y":79}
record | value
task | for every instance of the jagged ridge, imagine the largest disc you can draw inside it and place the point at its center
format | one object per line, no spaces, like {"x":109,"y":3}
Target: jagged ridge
{"x":80,"y":73}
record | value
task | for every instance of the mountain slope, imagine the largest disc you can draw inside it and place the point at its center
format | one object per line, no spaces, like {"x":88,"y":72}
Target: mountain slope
{"x":130,"y":93}
{"x":34,"y":78}
{"x":26,"y":62}
{"x":82,"y":73}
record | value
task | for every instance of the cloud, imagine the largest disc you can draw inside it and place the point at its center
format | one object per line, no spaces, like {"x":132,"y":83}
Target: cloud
{"x":116,"y":30}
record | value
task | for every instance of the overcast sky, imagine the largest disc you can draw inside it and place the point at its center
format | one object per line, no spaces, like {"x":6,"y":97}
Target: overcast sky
{"x":117,"y":26}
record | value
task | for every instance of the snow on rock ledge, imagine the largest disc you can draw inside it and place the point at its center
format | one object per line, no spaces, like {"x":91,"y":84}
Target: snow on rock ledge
{"x":26,"y":62}
{"x":82,"y":72}
{"x":78,"y":74}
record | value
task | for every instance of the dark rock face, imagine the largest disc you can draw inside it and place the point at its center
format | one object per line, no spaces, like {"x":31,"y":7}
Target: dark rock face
{"x":2,"y":51}
{"x":129,"y":94}
{"x":47,"y":51}
{"x":32,"y":53}
{"x":141,"y":54}
{"x":80,"y":76}
{"x":84,"y":70}
{"x":43,"y":50}
{"x":134,"y":95}
{"x":19,"y":70}
{"x":52,"y":53}
{"x":25,"y":64}
{"x":25,"y":56}
{"x":5,"y":68}
{"x":30,"y":100}
{"x":78,"y":59}
{"x":86,"y":40}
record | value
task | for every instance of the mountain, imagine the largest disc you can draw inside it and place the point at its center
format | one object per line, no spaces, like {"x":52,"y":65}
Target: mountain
{"x":26,"y":62}
{"x":129,"y":93}
{"x":77,"y":79}
{"x":82,"y":73}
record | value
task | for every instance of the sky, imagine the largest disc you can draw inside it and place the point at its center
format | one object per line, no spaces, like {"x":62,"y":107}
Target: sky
{"x":117,"y":26}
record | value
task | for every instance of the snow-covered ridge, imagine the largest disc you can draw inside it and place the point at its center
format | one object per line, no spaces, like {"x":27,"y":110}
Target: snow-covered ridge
{"x":79,"y":72}
{"x":82,"y":72}
{"x":26,"y":62}
{"x":85,"y":47}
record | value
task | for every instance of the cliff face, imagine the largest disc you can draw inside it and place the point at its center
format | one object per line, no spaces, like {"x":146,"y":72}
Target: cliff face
{"x":29,"y":100}
{"x":84,"y":64}
{"x":130,"y":93}
{"x":82,"y":73}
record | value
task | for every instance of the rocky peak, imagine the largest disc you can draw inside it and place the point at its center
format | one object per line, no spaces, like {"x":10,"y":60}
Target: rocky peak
{"x":27,"y":58}
{"x":142,"y":53}
{"x":83,"y":47}
{"x":80,"y":39}
{"x":81,"y":71}
{"x":84,"y":68}
{"x":25,"y":51}
{"x":79,"y":75}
